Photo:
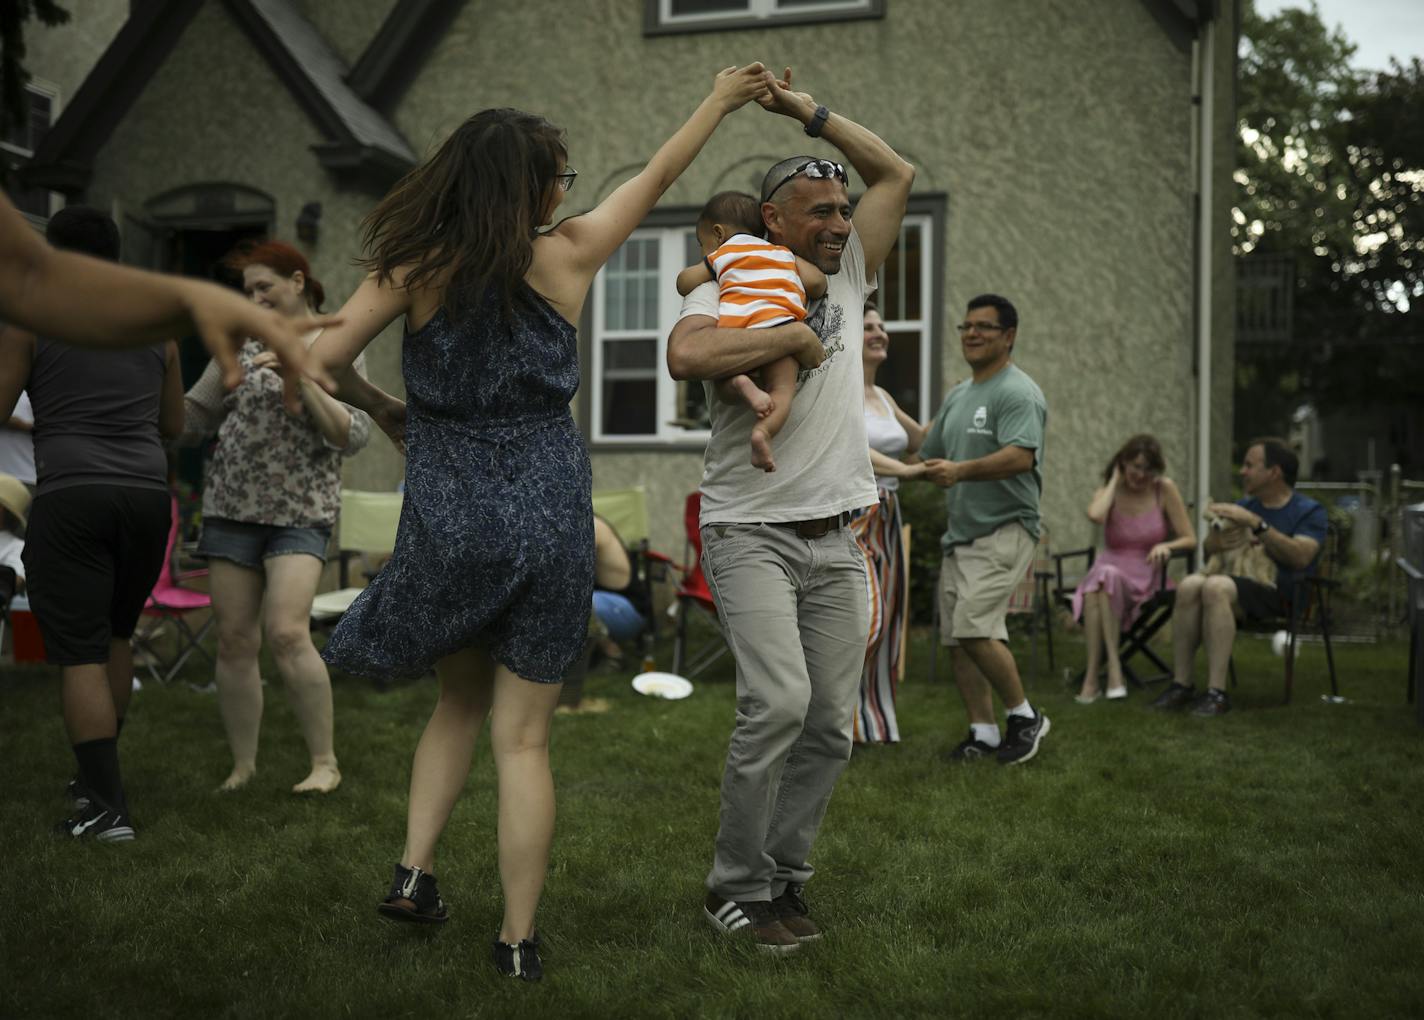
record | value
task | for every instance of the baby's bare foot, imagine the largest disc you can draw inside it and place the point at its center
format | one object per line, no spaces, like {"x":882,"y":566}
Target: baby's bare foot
{"x":324,"y":778}
{"x":241,"y":775}
{"x":753,"y":395}
{"x":761,"y":451}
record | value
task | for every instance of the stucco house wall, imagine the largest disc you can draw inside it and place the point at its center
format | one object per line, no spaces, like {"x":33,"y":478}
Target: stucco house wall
{"x":1059,"y":134}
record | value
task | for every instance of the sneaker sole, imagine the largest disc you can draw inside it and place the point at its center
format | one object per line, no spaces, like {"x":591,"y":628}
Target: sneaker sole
{"x":118,"y":834}
{"x":391,"y":912}
{"x":762,"y":947}
{"x":1042,"y":732}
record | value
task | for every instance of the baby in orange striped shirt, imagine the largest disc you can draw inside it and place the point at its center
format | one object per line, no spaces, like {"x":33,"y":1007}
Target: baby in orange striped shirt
{"x":760,"y":285}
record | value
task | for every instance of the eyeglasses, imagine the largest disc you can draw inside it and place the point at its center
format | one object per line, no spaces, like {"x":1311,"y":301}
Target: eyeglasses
{"x":981,"y":328}
{"x":566,"y":179}
{"x":817,"y":170}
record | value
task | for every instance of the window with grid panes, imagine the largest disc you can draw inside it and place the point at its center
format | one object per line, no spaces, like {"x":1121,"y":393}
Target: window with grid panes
{"x":661,"y":16}
{"x":21,"y":138}
{"x":634,"y":401}
{"x":905,"y":297}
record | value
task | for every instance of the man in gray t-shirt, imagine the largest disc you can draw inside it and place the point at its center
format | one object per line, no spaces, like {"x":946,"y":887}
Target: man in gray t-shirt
{"x":786,"y":574}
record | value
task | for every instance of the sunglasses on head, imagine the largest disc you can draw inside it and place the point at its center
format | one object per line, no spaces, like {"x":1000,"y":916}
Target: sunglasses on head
{"x":817,"y":170}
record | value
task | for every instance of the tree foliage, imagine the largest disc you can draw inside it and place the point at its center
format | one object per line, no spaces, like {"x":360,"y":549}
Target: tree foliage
{"x":1331,"y":177}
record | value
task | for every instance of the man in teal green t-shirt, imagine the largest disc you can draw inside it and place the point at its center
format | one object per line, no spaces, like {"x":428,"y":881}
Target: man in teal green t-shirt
{"x":984,"y":449}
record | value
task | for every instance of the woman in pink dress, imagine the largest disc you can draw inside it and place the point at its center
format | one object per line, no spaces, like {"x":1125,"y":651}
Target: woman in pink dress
{"x":1144,"y":521}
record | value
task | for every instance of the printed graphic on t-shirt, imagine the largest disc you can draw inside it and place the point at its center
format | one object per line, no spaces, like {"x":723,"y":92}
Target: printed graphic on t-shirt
{"x":826,"y":319}
{"x":981,"y":418}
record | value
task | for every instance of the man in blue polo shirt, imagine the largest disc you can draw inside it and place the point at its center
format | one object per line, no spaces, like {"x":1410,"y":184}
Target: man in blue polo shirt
{"x":1290,"y":527}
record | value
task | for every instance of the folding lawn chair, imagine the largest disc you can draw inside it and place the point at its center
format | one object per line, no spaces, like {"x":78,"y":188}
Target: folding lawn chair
{"x":367,"y":526}
{"x":1307,"y":610}
{"x":693,"y":596}
{"x":626,"y":510}
{"x":166,"y":612}
{"x":1153,"y":616}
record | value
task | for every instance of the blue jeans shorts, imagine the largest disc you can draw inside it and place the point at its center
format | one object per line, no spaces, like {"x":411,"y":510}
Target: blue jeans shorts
{"x":248,"y":545}
{"x":617,"y":614}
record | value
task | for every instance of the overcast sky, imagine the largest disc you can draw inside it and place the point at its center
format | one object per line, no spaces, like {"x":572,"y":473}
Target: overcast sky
{"x":1379,"y":28}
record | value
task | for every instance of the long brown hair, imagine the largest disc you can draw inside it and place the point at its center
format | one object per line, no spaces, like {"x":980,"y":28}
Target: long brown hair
{"x":467,"y":216}
{"x":1141,"y":444}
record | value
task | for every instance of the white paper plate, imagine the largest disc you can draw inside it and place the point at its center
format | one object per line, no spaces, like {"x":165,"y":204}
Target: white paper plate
{"x":662,"y":685}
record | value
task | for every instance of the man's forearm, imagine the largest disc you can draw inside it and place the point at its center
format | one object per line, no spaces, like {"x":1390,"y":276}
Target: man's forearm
{"x":1000,"y":464}
{"x":714,"y":352}
{"x":872,"y":158}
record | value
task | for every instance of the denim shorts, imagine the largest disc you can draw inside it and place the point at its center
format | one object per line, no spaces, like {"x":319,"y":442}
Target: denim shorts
{"x":249,"y":544}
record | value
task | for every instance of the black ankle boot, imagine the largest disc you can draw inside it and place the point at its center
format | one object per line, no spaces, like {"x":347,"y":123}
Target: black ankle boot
{"x":413,"y":897}
{"x":521,"y":961}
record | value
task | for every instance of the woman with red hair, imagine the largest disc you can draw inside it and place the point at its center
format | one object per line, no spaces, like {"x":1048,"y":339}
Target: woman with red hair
{"x":271,"y":494}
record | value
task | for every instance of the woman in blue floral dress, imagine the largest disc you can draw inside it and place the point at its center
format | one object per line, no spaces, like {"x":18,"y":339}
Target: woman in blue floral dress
{"x":492,"y":574}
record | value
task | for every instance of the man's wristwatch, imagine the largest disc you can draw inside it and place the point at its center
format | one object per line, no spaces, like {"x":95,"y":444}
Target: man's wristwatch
{"x":1261,"y":528}
{"x":817,"y":121}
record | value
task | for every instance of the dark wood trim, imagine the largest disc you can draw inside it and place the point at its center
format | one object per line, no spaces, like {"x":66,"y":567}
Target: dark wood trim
{"x":64,"y":160}
{"x":342,"y":153}
{"x":288,"y":71}
{"x":1181,"y":19}
{"x":399,"y":48}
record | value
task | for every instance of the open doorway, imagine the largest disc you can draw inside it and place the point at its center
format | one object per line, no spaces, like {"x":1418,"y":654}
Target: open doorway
{"x":188,"y":231}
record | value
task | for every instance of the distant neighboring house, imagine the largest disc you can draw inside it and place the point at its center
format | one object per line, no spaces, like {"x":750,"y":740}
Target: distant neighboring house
{"x":1056,"y":144}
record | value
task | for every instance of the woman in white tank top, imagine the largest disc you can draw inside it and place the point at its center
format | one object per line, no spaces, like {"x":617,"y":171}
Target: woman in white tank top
{"x":891,"y":434}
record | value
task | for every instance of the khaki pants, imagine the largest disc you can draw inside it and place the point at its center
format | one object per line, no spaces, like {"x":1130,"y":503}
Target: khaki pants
{"x":977,"y":581}
{"x":796,"y":615}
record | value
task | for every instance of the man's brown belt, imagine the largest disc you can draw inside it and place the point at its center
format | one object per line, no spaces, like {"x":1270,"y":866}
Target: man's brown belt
{"x":816,"y":527}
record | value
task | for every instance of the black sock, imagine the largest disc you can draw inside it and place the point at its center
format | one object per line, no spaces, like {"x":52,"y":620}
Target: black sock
{"x":99,"y":771}
{"x":118,"y":727}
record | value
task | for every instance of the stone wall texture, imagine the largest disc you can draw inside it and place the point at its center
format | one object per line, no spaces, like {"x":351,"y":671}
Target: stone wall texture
{"x":1060,"y":132}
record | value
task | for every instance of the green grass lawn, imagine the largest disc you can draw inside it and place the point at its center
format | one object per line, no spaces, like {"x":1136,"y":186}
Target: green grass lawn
{"x":1270,"y":862}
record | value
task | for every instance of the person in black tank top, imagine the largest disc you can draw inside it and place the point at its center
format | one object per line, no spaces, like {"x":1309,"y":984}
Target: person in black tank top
{"x":99,"y":523}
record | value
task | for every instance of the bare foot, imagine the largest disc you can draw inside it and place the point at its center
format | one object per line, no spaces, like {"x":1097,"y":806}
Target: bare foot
{"x":761,"y":450}
{"x":323,"y":779}
{"x":241,"y":774}
{"x":755,"y":397}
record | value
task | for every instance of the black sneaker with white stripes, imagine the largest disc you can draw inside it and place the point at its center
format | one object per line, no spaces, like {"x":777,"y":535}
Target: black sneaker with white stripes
{"x":972,"y":749}
{"x":520,"y":960}
{"x":1022,"y":740}
{"x":78,"y":794}
{"x":99,"y":823}
{"x":754,"y":919}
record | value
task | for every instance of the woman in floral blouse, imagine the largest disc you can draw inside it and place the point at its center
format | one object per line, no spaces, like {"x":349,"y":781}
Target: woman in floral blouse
{"x":270,"y":498}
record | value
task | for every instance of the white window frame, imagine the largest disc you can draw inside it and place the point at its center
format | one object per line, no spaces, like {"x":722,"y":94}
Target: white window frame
{"x":659,"y":16}
{"x":671,"y":245}
{"x":43,"y":88}
{"x":49,"y":89}
{"x":924,"y":325}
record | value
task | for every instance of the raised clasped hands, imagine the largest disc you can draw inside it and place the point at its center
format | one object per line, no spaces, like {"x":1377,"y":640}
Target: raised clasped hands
{"x":779,"y":97}
{"x":734,"y":87}
{"x":225,"y":321}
